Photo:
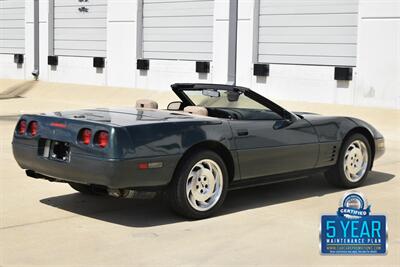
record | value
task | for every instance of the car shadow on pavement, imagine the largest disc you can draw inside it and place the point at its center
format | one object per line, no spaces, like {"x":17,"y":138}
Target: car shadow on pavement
{"x":153,"y":212}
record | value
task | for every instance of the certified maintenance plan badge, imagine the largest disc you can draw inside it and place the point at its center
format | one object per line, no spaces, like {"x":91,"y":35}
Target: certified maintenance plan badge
{"x":353,"y":230}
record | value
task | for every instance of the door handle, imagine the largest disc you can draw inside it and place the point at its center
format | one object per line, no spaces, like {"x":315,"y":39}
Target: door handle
{"x":242,"y":132}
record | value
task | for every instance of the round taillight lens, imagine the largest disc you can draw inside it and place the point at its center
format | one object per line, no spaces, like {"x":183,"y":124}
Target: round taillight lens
{"x":33,"y":128}
{"x":101,"y":139}
{"x":21,"y":128}
{"x":85,"y":136}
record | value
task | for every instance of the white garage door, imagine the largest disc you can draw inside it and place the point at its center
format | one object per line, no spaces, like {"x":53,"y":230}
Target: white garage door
{"x":317,"y":32}
{"x":178,"y":29}
{"x":80,"y":28}
{"x":12,"y":26}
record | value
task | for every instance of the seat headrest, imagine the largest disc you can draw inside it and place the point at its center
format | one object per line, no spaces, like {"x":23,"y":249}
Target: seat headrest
{"x":146,"y":103}
{"x":196,"y":110}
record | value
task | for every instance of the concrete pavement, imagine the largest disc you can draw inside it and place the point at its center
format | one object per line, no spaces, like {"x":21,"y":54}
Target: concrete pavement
{"x":49,"y":224}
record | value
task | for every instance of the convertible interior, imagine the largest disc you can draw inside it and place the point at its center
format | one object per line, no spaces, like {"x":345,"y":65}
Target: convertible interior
{"x":218,"y":112}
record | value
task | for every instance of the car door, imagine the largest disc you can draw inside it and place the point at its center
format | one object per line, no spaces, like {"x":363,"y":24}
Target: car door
{"x":268,"y":147}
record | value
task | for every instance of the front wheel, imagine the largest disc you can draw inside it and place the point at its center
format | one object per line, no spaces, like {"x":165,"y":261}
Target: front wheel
{"x":199,"y":186}
{"x":353,"y":164}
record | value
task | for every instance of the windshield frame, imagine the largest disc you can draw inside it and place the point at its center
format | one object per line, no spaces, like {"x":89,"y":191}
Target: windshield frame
{"x":179,"y":89}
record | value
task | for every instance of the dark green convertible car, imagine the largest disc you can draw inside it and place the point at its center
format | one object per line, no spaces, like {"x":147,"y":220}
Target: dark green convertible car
{"x":216,"y":138}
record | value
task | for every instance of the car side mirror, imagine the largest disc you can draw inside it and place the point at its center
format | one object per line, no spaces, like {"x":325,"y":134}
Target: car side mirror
{"x":176,"y":105}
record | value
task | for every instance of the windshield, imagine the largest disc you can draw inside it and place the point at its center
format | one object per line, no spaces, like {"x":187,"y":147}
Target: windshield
{"x":216,"y":98}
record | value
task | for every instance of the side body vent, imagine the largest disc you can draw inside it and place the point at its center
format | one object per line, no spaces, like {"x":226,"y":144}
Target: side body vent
{"x":328,"y":154}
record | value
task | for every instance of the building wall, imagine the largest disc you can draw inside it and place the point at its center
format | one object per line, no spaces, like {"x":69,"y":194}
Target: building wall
{"x":374,"y":49}
{"x":378,"y":59}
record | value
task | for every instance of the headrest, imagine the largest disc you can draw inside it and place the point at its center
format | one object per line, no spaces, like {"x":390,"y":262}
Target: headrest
{"x":196,"y":110}
{"x":146,"y":103}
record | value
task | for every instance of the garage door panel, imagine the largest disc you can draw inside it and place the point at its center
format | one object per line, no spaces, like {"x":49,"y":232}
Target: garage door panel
{"x":308,"y":60}
{"x":12,"y":34}
{"x":10,"y":43}
{"x":178,"y":29}
{"x":80,"y":53}
{"x":178,"y":56}
{"x":74,"y":12}
{"x":199,"y":8}
{"x":91,"y":45}
{"x":80,"y":23}
{"x":173,"y":1}
{"x":10,"y":4}
{"x":178,"y":34}
{"x":203,"y":47}
{"x":78,"y":33}
{"x":201,"y":21}
{"x":308,"y":49}
{"x":308,"y":34}
{"x":321,"y":32}
{"x":12,"y":26}
{"x":308,"y":31}
{"x":12,"y":23}
{"x":60,"y":3}
{"x":84,"y":34}
{"x":14,"y":50}
{"x":12,"y":13}
{"x":308,"y":20}
{"x":308,"y":7}
{"x":327,"y":39}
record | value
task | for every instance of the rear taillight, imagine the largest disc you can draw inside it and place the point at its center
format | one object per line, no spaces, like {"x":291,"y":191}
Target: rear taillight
{"x":33,"y":128}
{"x":101,"y":139}
{"x":21,"y":127}
{"x":85,"y":135}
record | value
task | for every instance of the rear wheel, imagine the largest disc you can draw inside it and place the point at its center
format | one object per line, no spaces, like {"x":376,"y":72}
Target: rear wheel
{"x":354,"y":161}
{"x":199,"y":186}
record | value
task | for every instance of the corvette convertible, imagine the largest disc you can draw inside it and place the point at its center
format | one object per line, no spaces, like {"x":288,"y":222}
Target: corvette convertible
{"x":216,"y":138}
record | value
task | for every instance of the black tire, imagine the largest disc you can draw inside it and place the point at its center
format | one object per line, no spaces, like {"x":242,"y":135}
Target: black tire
{"x":176,"y":192}
{"x":87,"y":189}
{"x":336,"y":175}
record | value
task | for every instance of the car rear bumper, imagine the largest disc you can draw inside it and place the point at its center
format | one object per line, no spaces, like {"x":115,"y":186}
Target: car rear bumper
{"x":112,"y":173}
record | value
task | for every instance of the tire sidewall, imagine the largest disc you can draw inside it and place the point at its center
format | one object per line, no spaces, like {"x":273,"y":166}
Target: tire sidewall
{"x":340,"y":164}
{"x":182,"y":175}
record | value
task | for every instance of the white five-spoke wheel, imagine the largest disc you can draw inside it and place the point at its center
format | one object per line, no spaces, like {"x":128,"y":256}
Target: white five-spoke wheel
{"x":199,"y":186}
{"x":204,"y":185}
{"x":353,"y":163}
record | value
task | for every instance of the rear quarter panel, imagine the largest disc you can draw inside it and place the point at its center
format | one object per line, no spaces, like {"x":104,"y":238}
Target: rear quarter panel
{"x":173,"y":138}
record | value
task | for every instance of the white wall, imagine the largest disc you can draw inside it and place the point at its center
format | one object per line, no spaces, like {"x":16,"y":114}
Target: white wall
{"x":10,"y":70}
{"x":378,"y":79}
{"x":375,"y":79}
